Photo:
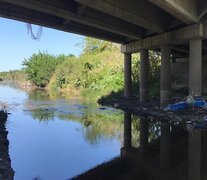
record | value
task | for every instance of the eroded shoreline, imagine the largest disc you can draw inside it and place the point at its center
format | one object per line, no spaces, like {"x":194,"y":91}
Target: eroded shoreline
{"x":6,"y":171}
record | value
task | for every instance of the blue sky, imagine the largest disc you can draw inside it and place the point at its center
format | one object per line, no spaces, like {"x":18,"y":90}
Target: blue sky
{"x":17,"y":45}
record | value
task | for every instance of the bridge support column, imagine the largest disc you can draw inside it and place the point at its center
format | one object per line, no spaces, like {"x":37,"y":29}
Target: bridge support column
{"x":144,"y":132}
{"x":127,"y":75}
{"x":165,"y":86}
{"x":195,"y":67}
{"x":144,"y":70}
{"x":127,"y":130}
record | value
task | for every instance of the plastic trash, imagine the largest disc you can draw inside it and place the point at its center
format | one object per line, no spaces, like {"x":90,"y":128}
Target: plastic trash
{"x":199,"y":103}
{"x":190,"y":99}
{"x":176,"y":106}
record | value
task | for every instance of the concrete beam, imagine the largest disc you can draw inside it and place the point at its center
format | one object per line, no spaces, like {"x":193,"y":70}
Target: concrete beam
{"x":202,"y":9}
{"x":70,"y":16}
{"x":139,"y":13}
{"x":26,"y":15}
{"x":184,"y":10}
{"x":79,"y":10}
{"x":182,"y":50}
{"x":171,"y":38}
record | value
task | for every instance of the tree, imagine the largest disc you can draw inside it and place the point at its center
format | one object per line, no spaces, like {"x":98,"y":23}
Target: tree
{"x":92,"y":45}
{"x":40,"y":67}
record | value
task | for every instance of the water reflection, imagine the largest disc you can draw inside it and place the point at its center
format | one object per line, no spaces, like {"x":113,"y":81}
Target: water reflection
{"x":64,"y":138}
{"x":97,"y":125}
{"x":165,"y":144}
{"x":197,"y":155}
{"x":144,"y":135}
{"x":127,"y":130}
{"x":175,"y":153}
{"x":6,"y":171}
{"x":56,"y":138}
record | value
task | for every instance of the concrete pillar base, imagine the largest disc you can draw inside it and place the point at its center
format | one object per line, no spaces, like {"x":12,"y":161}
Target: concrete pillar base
{"x":165,"y":97}
{"x":143,"y":95}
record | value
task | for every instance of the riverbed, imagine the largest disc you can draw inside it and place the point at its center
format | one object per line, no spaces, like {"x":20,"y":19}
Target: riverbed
{"x":52,"y":138}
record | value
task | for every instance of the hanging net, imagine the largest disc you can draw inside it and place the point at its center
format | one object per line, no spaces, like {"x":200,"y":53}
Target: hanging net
{"x":35,"y":36}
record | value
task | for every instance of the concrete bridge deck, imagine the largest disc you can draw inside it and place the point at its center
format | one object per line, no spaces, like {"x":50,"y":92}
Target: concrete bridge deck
{"x":176,"y":28}
{"x":116,"y":20}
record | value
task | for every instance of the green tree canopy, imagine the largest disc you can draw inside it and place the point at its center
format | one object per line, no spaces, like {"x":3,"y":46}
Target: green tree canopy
{"x":40,"y":67}
{"x":92,"y":45}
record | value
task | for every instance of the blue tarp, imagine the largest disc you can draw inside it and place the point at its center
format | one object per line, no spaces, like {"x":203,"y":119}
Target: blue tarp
{"x":199,"y":103}
{"x":177,"y":106}
{"x":184,"y":105}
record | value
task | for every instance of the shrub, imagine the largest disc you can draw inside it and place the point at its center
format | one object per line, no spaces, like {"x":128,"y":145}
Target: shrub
{"x":40,"y":67}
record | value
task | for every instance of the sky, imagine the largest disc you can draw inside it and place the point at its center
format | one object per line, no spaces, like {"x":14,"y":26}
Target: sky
{"x":16,"y":45}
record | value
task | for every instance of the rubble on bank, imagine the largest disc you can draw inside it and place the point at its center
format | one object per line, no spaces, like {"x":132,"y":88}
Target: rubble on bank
{"x":153,"y":110}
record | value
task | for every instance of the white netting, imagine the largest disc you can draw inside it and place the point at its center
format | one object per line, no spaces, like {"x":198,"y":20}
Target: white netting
{"x":34,"y":36}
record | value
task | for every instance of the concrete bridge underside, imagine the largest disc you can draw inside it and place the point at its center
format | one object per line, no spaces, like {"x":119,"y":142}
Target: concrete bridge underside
{"x":176,"y":28}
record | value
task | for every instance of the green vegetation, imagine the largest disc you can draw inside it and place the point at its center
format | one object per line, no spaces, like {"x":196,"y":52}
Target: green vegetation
{"x":14,"y":75}
{"x":97,"y":73}
{"x":97,"y":124}
{"x":40,"y":67}
{"x":90,"y":75}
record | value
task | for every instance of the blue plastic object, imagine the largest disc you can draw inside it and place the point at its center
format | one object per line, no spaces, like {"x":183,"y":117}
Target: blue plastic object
{"x":177,"y":106}
{"x":199,"y":103}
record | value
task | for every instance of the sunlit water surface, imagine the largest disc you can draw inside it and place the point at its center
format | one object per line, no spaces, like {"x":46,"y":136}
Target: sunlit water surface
{"x":58,"y":139}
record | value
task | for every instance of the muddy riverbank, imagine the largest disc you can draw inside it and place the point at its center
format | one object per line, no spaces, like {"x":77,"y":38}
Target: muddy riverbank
{"x":153,"y":110}
{"x":6,"y":171}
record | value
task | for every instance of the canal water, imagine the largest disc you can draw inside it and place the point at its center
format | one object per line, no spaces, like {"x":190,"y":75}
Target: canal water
{"x":56,"y":139}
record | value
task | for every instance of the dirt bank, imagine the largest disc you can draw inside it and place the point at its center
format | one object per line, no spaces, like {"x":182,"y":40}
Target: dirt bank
{"x":6,"y":171}
{"x":153,"y":110}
